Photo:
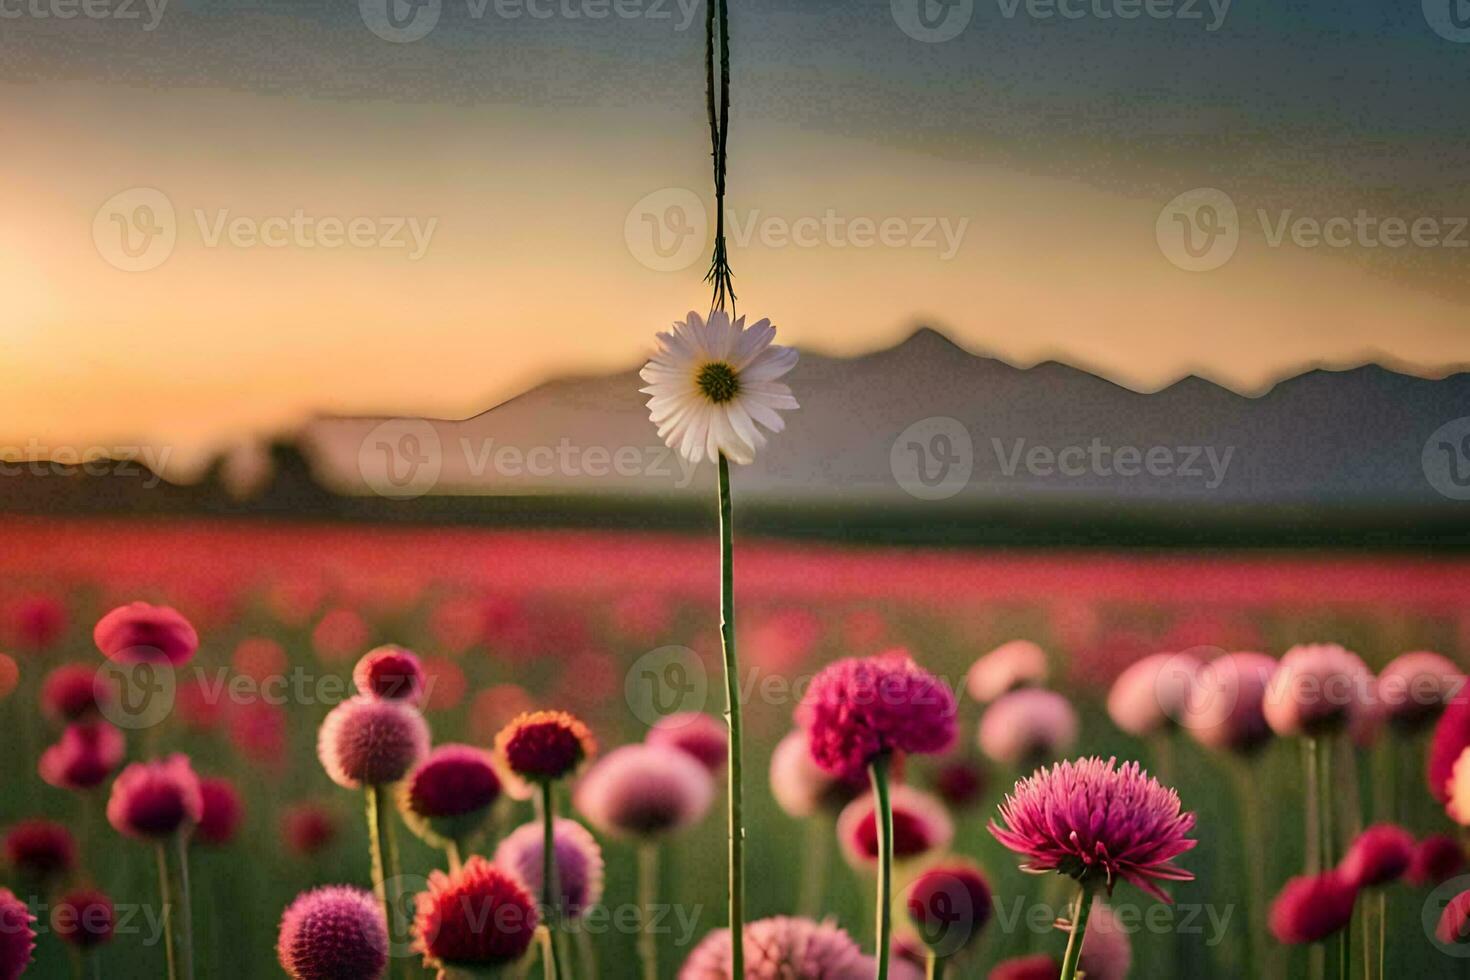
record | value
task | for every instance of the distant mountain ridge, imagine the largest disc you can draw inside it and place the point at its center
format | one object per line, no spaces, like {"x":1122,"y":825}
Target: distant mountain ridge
{"x":926,"y":420}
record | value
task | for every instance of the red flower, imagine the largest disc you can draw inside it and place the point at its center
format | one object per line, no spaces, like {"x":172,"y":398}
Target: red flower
{"x":151,"y":800}
{"x":222,"y":813}
{"x":544,"y":745}
{"x":1451,"y":738}
{"x":71,"y":692}
{"x":479,"y":915}
{"x":1454,"y":922}
{"x":1310,"y":908}
{"x":308,"y":828}
{"x":139,"y":632}
{"x":1379,"y":855}
{"x":87,"y":754}
{"x":40,"y":848}
{"x":390,"y":673}
{"x":84,"y":918}
{"x":17,"y":936}
{"x":949,"y":905}
{"x":1436,"y":858}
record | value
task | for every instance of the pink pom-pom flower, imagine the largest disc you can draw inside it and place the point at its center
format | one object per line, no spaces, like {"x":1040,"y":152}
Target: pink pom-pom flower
{"x":72,"y":692}
{"x":333,"y":932}
{"x":475,"y":918}
{"x":1310,"y":908}
{"x":1451,"y":739}
{"x":1019,"y":663}
{"x":921,"y":826}
{"x":390,"y":673}
{"x":800,"y":786}
{"x":448,"y":797}
{"x":87,"y":753}
{"x":17,"y":935}
{"x":1454,"y":921}
{"x":543,"y":746}
{"x":643,"y":791}
{"x":694,"y":732}
{"x":367,"y":742}
{"x":1153,"y":694}
{"x":1379,"y":855}
{"x":1317,"y":690}
{"x":40,"y":849}
{"x":949,"y":905}
{"x":579,"y":866}
{"x":1228,"y":710}
{"x":84,"y":918}
{"x":1028,"y":727}
{"x":139,"y":632}
{"x":308,"y":828}
{"x":223,"y":811}
{"x":859,"y":709}
{"x":1098,"y":821}
{"x":153,"y":800}
{"x":1415,"y":687}
{"x":781,"y":948}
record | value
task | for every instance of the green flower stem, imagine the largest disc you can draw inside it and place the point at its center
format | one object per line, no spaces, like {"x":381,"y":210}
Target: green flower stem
{"x":1254,"y":841}
{"x":1313,"y":841}
{"x":186,"y":917}
{"x":550,"y":900}
{"x":1079,"y":932}
{"x":933,"y":966}
{"x":816,"y":856}
{"x":878,"y":771}
{"x":166,"y":896}
{"x":451,"y":850}
{"x":647,"y":891}
{"x":387,"y":883}
{"x":736,"y":801}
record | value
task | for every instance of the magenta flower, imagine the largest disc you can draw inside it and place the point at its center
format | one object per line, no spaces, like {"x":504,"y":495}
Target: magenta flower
{"x":800,"y":786}
{"x":644,"y":791}
{"x":1097,"y":822}
{"x":579,"y":867}
{"x":71,"y":692}
{"x":1436,"y":859}
{"x":1451,"y":738}
{"x":781,"y":948}
{"x":308,"y":828}
{"x":949,"y":905}
{"x":695,"y":732}
{"x":1037,"y":966}
{"x":42,"y":849}
{"x":1027,"y":727}
{"x":543,"y":746}
{"x":1228,"y":710}
{"x":152,"y":800}
{"x":367,"y":742}
{"x":331,"y":933}
{"x":390,"y":673}
{"x":87,"y":753}
{"x":1317,"y":689}
{"x":17,"y":935}
{"x":1154,"y":693}
{"x":139,"y":632}
{"x":859,"y":709}
{"x":1379,"y":855}
{"x":449,"y":795}
{"x":84,"y":918}
{"x":1415,"y":687}
{"x":1310,"y":908}
{"x":223,"y":811}
{"x":921,"y":825}
{"x":1019,"y":663}
{"x":960,"y":783}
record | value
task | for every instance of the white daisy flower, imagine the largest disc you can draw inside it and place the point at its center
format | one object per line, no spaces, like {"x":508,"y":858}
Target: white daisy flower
{"x":710,"y":383}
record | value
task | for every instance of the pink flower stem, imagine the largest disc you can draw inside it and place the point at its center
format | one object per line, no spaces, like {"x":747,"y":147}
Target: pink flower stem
{"x":736,"y":794}
{"x":1079,"y":932}
{"x":878,"y":771}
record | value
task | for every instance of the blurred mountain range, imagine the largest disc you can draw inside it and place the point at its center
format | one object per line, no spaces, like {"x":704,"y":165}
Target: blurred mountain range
{"x":920,"y":432}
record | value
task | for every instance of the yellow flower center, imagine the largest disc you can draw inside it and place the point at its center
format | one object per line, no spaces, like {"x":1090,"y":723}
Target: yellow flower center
{"x":718,"y":381}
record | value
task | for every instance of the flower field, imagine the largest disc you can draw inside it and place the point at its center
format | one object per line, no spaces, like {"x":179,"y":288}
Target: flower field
{"x":603,"y":636}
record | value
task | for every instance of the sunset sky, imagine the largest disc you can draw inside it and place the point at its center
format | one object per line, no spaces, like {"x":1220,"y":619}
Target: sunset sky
{"x":1020,"y":170}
